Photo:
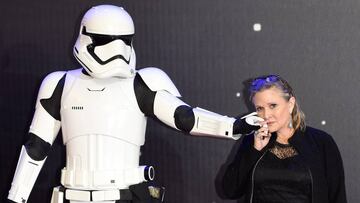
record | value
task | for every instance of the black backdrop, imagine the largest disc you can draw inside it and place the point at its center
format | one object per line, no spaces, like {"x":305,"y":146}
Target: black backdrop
{"x":209,"y":49}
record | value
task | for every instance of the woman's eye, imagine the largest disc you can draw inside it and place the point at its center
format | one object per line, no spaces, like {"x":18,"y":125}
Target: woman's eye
{"x":258,"y":109}
{"x":272,"y":106}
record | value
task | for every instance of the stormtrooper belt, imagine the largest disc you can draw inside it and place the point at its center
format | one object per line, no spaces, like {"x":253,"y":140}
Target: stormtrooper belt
{"x":109,"y":195}
{"x":97,"y":195}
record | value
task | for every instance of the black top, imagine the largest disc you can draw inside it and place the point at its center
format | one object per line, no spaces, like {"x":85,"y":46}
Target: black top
{"x":318,"y":152}
{"x":280,"y":176}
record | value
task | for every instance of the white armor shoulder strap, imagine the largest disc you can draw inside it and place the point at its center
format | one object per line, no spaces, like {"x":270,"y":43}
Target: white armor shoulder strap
{"x":156,"y":80}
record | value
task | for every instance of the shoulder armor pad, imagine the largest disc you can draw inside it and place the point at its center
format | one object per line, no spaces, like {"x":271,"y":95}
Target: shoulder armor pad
{"x":49,"y":83}
{"x":157,"y":79}
{"x":75,"y":72}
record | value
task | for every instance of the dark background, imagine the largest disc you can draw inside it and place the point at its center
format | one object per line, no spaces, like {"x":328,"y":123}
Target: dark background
{"x":209,"y":49}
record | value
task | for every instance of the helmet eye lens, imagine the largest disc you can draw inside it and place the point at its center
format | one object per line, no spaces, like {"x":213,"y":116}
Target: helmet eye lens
{"x":99,"y":39}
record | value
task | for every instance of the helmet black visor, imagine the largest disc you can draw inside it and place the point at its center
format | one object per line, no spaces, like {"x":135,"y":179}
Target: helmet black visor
{"x":99,"y":39}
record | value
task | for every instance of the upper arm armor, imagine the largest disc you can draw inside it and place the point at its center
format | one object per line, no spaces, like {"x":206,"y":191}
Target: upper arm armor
{"x":157,"y":79}
{"x":144,"y":96}
{"x":46,"y":120}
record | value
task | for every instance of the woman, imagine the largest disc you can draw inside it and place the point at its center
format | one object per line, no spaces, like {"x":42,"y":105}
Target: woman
{"x":284,"y":161}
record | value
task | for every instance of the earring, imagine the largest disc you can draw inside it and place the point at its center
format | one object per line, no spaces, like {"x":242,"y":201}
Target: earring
{"x":290,"y":125}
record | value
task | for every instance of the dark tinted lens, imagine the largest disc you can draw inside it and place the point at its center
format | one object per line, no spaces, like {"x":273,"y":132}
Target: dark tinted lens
{"x":257,"y":84}
{"x":100,"y":40}
{"x":127,"y":39}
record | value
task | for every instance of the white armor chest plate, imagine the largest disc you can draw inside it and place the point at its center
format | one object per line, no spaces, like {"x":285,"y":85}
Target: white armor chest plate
{"x":101,"y":106}
{"x":103,"y":129}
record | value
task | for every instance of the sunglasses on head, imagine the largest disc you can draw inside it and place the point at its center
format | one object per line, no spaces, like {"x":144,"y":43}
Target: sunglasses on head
{"x":260,"y":82}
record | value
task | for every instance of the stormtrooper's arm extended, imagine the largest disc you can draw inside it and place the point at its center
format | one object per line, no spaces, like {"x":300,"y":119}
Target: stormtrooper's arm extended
{"x":196,"y":121}
{"x":43,"y":130}
{"x":161,"y":100}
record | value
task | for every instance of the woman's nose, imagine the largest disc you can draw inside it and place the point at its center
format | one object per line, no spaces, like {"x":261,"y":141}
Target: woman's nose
{"x":267,"y":114}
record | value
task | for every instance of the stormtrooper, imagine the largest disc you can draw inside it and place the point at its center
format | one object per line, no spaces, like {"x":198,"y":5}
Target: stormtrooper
{"x":102,"y":110}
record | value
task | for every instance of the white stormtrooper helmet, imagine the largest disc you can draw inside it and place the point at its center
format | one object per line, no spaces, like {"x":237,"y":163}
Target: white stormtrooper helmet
{"x":104,"y":46}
